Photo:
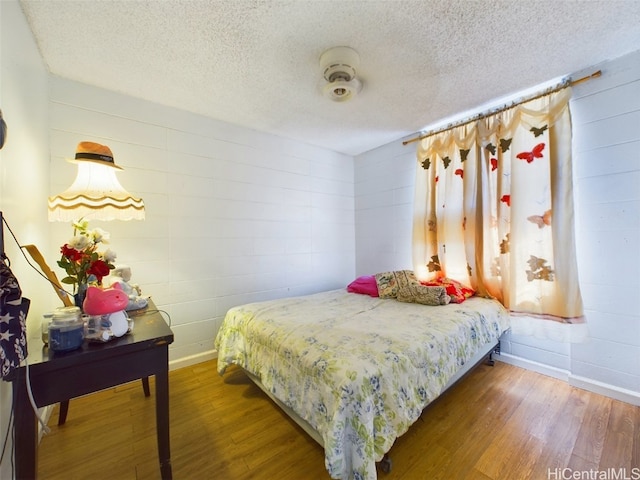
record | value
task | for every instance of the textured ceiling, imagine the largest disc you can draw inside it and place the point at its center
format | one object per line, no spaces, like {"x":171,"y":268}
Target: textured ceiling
{"x":255,"y":63}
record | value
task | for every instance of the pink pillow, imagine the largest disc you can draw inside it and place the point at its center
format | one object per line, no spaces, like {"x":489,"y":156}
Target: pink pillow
{"x":366,"y":285}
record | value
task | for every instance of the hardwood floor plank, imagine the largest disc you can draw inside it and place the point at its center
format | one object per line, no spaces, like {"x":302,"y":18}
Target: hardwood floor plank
{"x":591,"y":436}
{"x":473,"y":413}
{"x":618,"y":443}
{"x":498,"y":422}
{"x":433,"y":465}
{"x":506,"y":447}
{"x":560,"y":437}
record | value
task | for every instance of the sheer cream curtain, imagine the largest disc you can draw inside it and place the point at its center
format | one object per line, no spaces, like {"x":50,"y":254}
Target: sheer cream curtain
{"x":494,"y":208}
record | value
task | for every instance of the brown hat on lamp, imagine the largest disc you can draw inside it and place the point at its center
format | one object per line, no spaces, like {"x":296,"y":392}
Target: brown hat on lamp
{"x":94,"y":152}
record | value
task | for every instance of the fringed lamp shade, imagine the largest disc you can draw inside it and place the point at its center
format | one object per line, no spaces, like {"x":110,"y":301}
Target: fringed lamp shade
{"x":96,"y":193}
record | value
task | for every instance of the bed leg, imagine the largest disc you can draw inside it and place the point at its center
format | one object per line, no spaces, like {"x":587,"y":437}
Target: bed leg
{"x":496,"y":350}
{"x":386,"y":464}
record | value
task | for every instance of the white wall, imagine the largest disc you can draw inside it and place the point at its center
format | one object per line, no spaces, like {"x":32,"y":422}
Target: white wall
{"x":232,"y":215}
{"x":384,"y":180}
{"x":24,"y":174}
{"x":606,"y":115}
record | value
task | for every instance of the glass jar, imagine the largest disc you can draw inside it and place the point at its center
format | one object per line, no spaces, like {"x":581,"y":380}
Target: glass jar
{"x":66,"y":330}
{"x":46,"y":320}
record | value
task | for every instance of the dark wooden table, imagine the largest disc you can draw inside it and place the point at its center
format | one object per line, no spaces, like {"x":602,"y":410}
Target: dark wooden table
{"x":60,"y":376}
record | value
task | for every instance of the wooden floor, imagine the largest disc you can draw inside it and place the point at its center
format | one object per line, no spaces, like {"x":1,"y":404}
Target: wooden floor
{"x":499,"y":422}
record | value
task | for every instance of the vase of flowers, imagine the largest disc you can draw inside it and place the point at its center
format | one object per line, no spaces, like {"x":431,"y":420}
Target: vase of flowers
{"x":79,"y":296}
{"x":81,"y":260}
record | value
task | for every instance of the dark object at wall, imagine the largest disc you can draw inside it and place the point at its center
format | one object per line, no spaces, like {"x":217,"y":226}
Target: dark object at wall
{"x":3,"y":130}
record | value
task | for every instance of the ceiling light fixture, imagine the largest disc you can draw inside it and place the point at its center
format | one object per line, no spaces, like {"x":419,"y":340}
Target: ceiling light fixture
{"x":339,"y":66}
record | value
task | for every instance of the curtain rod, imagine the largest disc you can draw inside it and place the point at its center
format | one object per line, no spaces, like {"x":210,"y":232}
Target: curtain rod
{"x":505,"y":107}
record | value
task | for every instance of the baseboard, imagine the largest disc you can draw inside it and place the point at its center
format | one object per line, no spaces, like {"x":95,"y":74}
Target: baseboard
{"x":45,"y":414}
{"x":611,"y":391}
{"x":193,"y":359}
{"x":617,"y":393}
{"x":547,"y":370}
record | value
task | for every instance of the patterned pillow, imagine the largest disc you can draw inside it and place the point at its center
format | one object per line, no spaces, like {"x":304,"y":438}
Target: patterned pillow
{"x":417,"y":293}
{"x":390,"y":282}
{"x":456,"y":290}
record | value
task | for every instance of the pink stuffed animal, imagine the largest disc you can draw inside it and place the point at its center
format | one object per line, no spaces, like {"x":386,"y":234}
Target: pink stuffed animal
{"x":101,"y":301}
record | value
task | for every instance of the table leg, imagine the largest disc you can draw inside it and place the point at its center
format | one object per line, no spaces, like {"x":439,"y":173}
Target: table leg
{"x":26,"y":432}
{"x":64,"y":410}
{"x":145,"y":386}
{"x":162,"y":422}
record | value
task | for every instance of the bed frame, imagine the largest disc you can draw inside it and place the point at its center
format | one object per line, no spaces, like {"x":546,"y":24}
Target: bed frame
{"x":485,"y":352}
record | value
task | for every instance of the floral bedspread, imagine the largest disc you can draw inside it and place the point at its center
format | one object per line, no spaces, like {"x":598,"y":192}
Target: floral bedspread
{"x":359,"y":369}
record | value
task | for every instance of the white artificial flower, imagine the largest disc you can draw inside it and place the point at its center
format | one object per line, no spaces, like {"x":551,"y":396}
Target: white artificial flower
{"x":99,"y":235}
{"x":79,"y":242}
{"x":109,"y":255}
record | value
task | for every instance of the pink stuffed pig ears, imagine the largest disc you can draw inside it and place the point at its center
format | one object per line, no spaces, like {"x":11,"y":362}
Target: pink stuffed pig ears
{"x":101,"y":301}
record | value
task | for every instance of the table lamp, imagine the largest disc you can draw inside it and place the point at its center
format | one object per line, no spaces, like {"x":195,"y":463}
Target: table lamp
{"x":96,"y":193}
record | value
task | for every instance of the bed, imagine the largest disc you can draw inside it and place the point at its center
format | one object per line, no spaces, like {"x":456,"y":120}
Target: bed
{"x":356,"y":371}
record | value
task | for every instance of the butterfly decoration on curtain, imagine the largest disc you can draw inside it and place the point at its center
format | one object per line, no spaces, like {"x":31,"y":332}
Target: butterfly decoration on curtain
{"x":533,"y":154}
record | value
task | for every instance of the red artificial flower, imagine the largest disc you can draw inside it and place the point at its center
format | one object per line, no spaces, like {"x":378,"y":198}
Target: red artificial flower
{"x":506,"y":199}
{"x":99,"y":268}
{"x":71,"y":253}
